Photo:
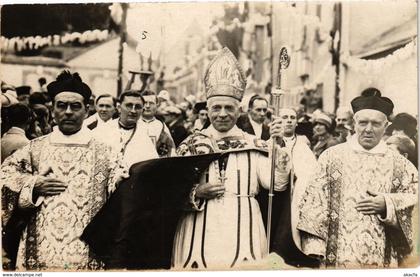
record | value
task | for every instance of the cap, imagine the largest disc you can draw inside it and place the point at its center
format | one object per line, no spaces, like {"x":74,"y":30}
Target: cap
{"x":323,"y":119}
{"x":371,"y":99}
{"x":69,"y":82}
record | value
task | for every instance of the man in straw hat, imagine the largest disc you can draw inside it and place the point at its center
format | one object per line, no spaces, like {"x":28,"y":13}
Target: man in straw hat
{"x":357,"y":211}
{"x":224,"y":227}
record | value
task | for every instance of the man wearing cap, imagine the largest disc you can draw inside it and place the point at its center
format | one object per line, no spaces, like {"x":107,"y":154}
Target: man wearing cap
{"x":57,"y":183}
{"x":358,"y":209}
{"x":322,"y":138}
{"x":202,"y":121}
{"x":15,"y":138}
{"x":175,"y":121}
{"x":41,"y":114}
{"x":223,"y":227}
{"x":23,"y":93}
{"x":164,"y":100}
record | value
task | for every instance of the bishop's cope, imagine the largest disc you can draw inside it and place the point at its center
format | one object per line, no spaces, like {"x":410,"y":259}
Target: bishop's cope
{"x":223,"y":227}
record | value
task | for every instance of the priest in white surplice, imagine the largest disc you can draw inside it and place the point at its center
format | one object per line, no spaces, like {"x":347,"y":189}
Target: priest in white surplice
{"x":224,"y":228}
{"x":124,"y":134}
{"x":358,"y":209}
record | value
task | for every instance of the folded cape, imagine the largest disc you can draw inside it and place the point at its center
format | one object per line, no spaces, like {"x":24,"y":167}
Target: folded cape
{"x":136,"y":227}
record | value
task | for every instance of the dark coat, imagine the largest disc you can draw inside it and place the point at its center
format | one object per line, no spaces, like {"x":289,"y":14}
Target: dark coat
{"x":281,"y":240}
{"x":178,"y":131}
{"x":245,"y":125}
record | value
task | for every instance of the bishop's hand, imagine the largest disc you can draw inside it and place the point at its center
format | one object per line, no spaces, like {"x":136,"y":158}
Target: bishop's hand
{"x":210,"y":191}
{"x":45,"y":185}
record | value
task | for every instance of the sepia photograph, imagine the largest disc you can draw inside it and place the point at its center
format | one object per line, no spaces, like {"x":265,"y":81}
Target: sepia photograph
{"x":209,"y":136}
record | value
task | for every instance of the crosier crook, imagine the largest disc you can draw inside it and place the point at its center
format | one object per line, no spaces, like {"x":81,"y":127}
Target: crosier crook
{"x":284,"y":61}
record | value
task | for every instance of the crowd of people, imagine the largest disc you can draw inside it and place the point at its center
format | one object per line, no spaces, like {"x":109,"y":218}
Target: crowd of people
{"x":168,"y":123}
{"x":344,"y":192}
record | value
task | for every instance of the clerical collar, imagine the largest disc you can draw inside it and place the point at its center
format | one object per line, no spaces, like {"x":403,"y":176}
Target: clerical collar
{"x":124,"y":127}
{"x":292,"y":138}
{"x":82,"y":137}
{"x":253,"y":121}
{"x":381,"y":148}
{"x":148,"y":120}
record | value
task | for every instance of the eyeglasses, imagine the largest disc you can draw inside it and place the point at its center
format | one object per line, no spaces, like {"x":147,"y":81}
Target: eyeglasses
{"x":130,"y":106}
{"x":63,"y":106}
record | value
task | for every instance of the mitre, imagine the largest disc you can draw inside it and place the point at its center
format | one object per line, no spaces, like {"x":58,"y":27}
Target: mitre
{"x":224,"y":76}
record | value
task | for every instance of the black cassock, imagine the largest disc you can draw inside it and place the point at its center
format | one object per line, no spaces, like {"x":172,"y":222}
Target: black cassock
{"x":136,"y":227}
{"x":281,"y":241}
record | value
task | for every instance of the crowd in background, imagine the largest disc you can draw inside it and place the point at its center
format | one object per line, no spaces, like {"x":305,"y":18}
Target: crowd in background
{"x":55,"y":141}
{"x":27,"y":114}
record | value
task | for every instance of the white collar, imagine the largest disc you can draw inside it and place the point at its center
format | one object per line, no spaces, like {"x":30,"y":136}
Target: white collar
{"x":16,"y":130}
{"x":381,"y":148}
{"x":100,"y":120}
{"x":254,"y":122}
{"x":81,"y":138}
{"x":212,"y":132}
{"x":147,"y":120}
{"x":292,"y":138}
{"x":114,"y":123}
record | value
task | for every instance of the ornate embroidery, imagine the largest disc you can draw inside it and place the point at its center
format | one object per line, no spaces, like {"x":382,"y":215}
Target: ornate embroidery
{"x":195,"y":144}
{"x":355,"y":239}
{"x":231,"y":143}
{"x":259,"y":143}
{"x":52,"y":237}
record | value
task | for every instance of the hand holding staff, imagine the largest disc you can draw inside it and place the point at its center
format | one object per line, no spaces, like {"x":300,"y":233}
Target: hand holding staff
{"x":284,"y":61}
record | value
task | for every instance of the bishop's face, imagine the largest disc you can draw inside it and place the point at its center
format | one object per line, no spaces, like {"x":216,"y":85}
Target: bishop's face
{"x":223,"y":112}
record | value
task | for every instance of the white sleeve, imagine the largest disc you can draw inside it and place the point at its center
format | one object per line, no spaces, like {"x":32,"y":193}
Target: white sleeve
{"x":391,"y":218}
{"x":26,"y":195}
{"x":282,"y":171}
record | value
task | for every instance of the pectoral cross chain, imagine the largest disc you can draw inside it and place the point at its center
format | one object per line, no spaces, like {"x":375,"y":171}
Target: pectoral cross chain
{"x":222,"y":176}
